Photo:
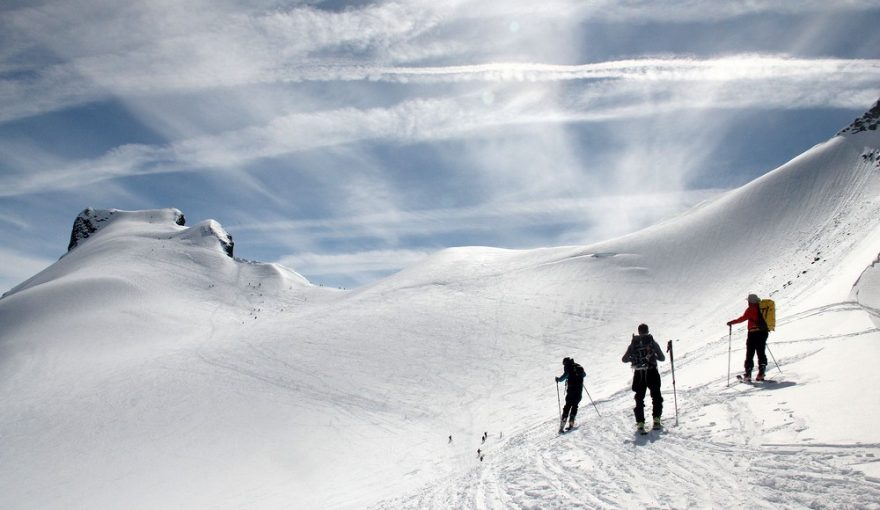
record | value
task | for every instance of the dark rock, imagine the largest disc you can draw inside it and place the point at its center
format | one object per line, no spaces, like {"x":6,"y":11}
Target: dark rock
{"x":228,"y":245}
{"x":91,"y":220}
{"x":867,"y":122}
{"x":87,"y":223}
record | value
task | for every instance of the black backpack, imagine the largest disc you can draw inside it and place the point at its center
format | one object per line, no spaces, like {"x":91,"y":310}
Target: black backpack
{"x":576,"y":374}
{"x":642,"y":351}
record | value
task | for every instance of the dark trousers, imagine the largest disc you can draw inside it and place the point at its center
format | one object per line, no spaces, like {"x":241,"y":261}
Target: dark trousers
{"x":571,"y":405}
{"x":756,"y":342}
{"x":644,"y":380}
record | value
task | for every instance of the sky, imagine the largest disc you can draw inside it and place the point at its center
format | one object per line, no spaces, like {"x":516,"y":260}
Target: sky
{"x":348,"y":140}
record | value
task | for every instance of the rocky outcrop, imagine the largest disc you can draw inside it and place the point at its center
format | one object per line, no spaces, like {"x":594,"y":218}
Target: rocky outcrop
{"x":91,"y":220}
{"x":207,"y":233}
{"x":867,"y":122}
{"x":87,"y":223}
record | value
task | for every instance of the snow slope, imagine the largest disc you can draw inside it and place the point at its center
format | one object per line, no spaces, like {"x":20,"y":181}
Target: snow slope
{"x":147,"y":369}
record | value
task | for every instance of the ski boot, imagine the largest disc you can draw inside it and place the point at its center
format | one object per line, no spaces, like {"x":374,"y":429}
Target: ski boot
{"x":747,"y":377}
{"x":570,"y":425}
{"x":562,"y":426}
{"x":760,"y":376}
{"x":658,"y":425}
{"x":640,"y":428}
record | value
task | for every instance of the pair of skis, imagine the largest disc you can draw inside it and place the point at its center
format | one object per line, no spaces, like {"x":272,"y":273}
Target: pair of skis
{"x":753,"y":381}
{"x":645,"y":431}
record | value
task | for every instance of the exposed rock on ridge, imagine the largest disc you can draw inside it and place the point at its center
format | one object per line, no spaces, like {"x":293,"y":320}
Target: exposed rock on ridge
{"x":867,"y":122}
{"x":91,"y":220}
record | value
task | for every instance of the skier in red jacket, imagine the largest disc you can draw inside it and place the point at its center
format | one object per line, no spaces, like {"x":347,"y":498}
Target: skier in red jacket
{"x":756,"y":341}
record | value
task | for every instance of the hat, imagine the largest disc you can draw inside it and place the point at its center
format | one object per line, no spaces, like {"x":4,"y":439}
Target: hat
{"x":643,"y":329}
{"x":753,"y":299}
{"x":567,"y":361}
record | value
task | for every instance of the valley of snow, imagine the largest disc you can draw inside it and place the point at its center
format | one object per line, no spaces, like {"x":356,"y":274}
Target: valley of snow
{"x":148,"y":369}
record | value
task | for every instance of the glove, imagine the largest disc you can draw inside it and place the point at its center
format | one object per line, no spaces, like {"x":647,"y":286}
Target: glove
{"x":730,"y":323}
{"x":557,"y":379}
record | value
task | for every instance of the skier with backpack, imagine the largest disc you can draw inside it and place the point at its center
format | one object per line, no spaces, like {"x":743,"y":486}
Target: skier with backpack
{"x":756,"y":340}
{"x":643,"y":353}
{"x":573,"y":375}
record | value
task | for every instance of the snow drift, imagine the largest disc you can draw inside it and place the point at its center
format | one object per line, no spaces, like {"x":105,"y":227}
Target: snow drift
{"x":147,"y":368}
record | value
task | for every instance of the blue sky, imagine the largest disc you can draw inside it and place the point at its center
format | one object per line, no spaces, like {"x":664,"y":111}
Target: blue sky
{"x":347,"y":140}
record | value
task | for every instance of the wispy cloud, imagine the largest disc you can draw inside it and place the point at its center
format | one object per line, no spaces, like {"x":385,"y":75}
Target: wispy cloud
{"x":626,"y":90}
{"x":133,"y":49}
{"x":388,"y":122}
{"x":583,"y":220}
{"x":740,"y":67}
{"x":434,"y":222}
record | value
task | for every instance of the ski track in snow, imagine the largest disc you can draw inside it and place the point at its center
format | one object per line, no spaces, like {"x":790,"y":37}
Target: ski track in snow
{"x":699,"y":464}
{"x":537,"y":468}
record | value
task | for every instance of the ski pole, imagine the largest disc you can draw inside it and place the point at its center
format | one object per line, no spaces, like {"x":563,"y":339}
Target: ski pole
{"x":774,"y":359}
{"x":591,"y":400}
{"x":559,"y":402}
{"x":674,"y":393}
{"x":729,"y":347}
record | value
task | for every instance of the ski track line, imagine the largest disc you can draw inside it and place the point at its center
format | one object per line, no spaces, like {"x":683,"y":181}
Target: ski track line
{"x":600,"y":465}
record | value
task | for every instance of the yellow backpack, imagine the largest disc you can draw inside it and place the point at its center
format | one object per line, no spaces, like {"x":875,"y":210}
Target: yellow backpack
{"x":768,"y":312}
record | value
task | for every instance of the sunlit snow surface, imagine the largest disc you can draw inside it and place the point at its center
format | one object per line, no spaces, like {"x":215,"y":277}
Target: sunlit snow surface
{"x":147,"y":369}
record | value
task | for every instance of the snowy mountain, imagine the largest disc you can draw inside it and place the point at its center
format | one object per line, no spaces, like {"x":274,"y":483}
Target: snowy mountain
{"x":148,"y":368}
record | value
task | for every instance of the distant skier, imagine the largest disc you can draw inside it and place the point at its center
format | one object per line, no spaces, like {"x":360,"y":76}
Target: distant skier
{"x":573,"y":375}
{"x":644,"y":353}
{"x":756,"y":340}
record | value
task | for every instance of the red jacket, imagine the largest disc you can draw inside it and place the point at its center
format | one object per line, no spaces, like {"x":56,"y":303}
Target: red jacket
{"x":751,"y":315}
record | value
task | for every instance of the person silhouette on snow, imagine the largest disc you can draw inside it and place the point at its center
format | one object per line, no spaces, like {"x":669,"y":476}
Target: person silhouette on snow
{"x":644,"y":353}
{"x":756,"y":340}
{"x":573,"y":375}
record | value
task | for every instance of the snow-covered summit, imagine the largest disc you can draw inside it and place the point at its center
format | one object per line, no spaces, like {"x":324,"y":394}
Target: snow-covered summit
{"x":210,"y":232}
{"x":90,"y":220}
{"x":128,"y":245}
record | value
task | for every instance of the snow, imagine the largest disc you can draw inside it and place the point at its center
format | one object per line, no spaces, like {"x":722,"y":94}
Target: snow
{"x":148,"y":369}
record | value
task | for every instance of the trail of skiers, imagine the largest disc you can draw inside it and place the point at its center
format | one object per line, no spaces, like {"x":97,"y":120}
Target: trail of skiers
{"x":643,"y":354}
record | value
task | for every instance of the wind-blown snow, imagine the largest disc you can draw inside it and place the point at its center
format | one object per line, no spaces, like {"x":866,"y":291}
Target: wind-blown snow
{"x":147,"y":369}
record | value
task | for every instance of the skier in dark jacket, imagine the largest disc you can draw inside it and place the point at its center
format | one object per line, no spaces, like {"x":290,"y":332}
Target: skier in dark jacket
{"x":644,"y":353}
{"x":573,"y":375}
{"x":756,"y":340}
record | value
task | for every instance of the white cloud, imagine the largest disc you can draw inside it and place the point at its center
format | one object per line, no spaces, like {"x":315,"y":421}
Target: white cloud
{"x":522,"y":213}
{"x":709,"y":10}
{"x":640,"y":88}
{"x":14,"y":221}
{"x":133,"y":49}
{"x":590,"y":220}
{"x":239,"y":90}
{"x":740,"y":67}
